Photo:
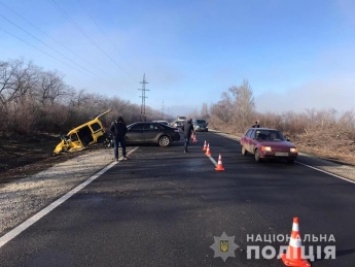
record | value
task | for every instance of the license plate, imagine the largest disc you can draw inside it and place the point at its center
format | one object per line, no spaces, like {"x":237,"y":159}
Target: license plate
{"x":281,"y":154}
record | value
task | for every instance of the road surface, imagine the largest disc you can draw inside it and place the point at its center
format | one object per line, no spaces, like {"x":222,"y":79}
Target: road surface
{"x":167,"y":208}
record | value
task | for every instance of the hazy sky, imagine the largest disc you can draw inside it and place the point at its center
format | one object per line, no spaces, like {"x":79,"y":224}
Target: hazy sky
{"x":296,"y":54}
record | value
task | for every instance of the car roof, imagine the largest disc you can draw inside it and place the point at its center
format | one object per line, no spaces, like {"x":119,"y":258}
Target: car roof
{"x":145,"y":122}
{"x":263,"y":128}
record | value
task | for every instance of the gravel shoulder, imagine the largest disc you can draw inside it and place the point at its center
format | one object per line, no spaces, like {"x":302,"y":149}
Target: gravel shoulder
{"x":23,"y":197}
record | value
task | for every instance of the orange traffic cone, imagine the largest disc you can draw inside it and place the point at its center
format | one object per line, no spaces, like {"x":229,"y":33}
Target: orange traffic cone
{"x":208,"y":151}
{"x":204,"y":146}
{"x":294,"y":251}
{"x":219,"y":164}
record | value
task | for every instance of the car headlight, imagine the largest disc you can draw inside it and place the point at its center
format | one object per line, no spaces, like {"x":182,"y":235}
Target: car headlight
{"x":293,"y":150}
{"x":266,"y":148}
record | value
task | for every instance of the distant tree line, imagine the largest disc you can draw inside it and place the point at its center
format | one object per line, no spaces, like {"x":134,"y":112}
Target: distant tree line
{"x":236,"y":112}
{"x":34,"y":100}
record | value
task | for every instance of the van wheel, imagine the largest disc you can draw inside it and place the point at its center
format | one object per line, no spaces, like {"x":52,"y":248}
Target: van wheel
{"x":164,"y":140}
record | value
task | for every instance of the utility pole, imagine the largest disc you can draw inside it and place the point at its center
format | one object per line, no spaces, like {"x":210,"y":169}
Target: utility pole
{"x":162,"y":110}
{"x":143,"y":89}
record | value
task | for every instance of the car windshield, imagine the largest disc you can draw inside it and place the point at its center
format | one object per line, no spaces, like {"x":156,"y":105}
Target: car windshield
{"x":269,"y":135}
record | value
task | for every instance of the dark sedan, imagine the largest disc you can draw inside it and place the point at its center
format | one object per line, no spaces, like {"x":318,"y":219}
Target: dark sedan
{"x":151,"y":133}
{"x":266,"y":143}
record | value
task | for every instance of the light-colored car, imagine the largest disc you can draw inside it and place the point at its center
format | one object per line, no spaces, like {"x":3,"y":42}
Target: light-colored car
{"x":200,"y":125}
{"x":181,"y":118}
{"x":266,"y":143}
{"x":178,"y":124}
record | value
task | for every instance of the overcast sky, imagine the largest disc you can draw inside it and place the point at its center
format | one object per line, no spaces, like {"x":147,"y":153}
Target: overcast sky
{"x":296,"y":54}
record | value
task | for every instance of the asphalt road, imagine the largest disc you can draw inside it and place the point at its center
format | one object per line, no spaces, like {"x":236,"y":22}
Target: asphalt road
{"x":164,"y":208}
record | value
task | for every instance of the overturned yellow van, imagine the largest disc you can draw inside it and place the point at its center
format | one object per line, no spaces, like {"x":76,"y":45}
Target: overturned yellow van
{"x":86,"y":134}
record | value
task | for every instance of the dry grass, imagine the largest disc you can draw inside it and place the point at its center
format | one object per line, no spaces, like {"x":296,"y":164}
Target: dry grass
{"x":331,"y":146}
{"x":22,"y":155}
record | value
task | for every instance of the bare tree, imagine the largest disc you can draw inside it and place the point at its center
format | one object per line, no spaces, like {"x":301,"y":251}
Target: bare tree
{"x":222,"y":113}
{"x":204,"y":111}
{"x":50,"y":88}
{"x":244,"y":106}
{"x":16,"y":80}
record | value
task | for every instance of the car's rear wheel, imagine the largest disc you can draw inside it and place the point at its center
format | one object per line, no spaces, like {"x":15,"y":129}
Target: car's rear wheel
{"x":164,"y":141}
{"x":257,"y":156}
{"x":244,"y":151}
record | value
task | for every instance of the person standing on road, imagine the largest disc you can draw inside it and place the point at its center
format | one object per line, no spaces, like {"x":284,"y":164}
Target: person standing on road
{"x":188,"y":129}
{"x":119,"y":130}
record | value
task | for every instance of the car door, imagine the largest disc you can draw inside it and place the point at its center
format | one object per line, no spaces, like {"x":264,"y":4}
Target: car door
{"x":152,"y":131}
{"x":135,"y":134}
{"x":75,"y":142}
{"x":246,"y":140}
{"x":252,"y":141}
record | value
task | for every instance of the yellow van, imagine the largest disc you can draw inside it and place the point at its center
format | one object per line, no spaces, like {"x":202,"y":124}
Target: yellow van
{"x":86,"y":134}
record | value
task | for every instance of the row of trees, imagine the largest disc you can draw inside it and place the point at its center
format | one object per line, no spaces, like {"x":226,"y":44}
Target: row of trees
{"x":235,"y":112}
{"x":34,"y":100}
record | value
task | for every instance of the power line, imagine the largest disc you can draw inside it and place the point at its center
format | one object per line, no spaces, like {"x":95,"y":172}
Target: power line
{"x":100,"y":29}
{"x":85,"y":34}
{"x":144,"y":82}
{"x":9,"y":33}
{"x":49,"y":36}
{"x":55,"y":50}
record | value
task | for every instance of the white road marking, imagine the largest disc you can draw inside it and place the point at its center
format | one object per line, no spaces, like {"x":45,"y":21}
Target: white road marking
{"x":23,"y":226}
{"x":213,"y":161}
{"x":329,"y":173}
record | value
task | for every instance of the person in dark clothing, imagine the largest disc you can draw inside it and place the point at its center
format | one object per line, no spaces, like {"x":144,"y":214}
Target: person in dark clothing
{"x":188,"y":129}
{"x":256,"y":125}
{"x":119,"y":129}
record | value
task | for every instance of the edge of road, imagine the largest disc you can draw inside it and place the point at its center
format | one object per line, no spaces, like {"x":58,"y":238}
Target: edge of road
{"x":23,"y":197}
{"x":341,"y":171}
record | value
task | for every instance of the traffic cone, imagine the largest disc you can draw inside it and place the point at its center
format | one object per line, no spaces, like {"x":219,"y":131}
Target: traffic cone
{"x":294,"y":250}
{"x":208,"y":151}
{"x":219,"y":164}
{"x":204,"y":146}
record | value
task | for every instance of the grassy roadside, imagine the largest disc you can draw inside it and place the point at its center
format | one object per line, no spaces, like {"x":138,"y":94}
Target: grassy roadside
{"x":23,"y":155}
